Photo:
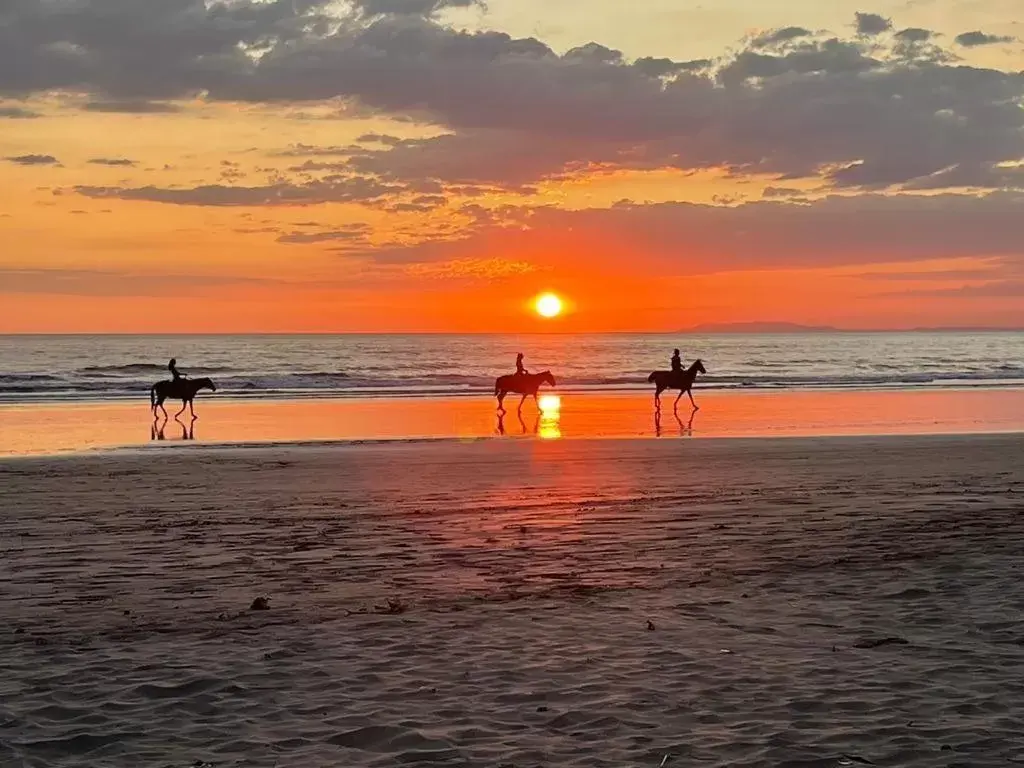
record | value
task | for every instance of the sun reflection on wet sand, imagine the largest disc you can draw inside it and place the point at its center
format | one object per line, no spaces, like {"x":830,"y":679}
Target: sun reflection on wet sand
{"x":550,"y":414}
{"x":56,"y":428}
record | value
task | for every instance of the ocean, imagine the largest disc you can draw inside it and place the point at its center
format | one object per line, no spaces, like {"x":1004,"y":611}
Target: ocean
{"x":101,"y":368}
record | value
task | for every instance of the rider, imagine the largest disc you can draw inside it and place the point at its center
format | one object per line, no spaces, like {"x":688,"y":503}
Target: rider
{"x":520,"y":371}
{"x":173,"y":368}
{"x":677,"y":363}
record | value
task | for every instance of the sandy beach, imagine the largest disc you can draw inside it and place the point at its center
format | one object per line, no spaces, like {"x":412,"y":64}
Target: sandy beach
{"x":810,"y":602}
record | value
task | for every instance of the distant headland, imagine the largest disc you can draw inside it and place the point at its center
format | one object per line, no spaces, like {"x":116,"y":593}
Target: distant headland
{"x":760,"y":327}
{"x":781,"y":327}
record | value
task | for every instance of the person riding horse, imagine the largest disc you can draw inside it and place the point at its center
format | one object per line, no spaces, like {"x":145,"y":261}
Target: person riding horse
{"x":677,"y":363}
{"x":520,"y":370}
{"x":173,"y":368}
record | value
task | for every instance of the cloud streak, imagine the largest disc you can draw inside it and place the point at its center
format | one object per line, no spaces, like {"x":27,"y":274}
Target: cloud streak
{"x":343,"y":190}
{"x":687,"y":238}
{"x":33,"y":160}
{"x":976,"y":38}
{"x":113,"y":161}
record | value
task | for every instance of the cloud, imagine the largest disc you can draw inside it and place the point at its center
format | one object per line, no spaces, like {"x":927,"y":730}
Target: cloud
{"x":977,"y":37}
{"x":778,"y":36}
{"x":339,"y":190}
{"x":410,"y":7}
{"x":780,"y":192}
{"x":136,"y":51}
{"x":81,"y":282}
{"x":915,"y":35}
{"x":33,"y":160}
{"x":995,"y":289}
{"x":471,"y":269}
{"x":871,"y":24}
{"x":351,"y":233}
{"x":980,"y":176}
{"x":687,"y":238}
{"x":661,"y":67}
{"x":131,"y":107}
{"x":789,"y":104}
{"x":17,"y":113}
{"x":112,"y":161}
{"x":802,"y":111}
{"x":309,"y":150}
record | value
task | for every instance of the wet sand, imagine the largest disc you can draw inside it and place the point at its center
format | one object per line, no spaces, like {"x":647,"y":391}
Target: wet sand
{"x":50,"y":429}
{"x":804,"y":602}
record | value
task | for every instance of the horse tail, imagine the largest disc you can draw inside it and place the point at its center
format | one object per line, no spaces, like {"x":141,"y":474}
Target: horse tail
{"x":652,"y":377}
{"x":152,"y":397}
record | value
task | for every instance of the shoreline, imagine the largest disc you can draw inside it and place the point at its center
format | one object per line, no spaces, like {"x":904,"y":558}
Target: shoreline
{"x":52,"y":429}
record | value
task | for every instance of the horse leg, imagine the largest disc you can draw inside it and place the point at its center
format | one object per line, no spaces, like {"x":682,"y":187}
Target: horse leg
{"x":675,"y":405}
{"x":520,"y":408}
{"x":695,"y":406}
{"x":657,"y":399}
{"x":192,"y":408}
{"x":184,"y":405}
{"x":501,"y":401}
{"x":160,"y":405}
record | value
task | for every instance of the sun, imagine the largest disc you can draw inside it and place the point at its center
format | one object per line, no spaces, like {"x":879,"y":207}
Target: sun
{"x":548,"y":305}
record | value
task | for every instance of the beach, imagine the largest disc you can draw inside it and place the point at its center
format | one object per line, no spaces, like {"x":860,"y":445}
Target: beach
{"x":592,"y":602}
{"x":56,"y":428}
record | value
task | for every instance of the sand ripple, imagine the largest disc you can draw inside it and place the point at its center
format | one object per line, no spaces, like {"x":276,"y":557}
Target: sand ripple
{"x":803,"y":603}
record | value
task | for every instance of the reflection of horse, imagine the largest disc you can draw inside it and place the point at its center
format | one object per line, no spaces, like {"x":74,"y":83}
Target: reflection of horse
{"x":156,"y":432}
{"x":525,"y":384}
{"x":522,"y":424}
{"x":182,"y":389}
{"x":685,"y":430}
{"x":683,"y":381}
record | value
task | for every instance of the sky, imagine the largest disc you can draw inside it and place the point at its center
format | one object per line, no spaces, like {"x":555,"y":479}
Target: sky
{"x":433,"y":165}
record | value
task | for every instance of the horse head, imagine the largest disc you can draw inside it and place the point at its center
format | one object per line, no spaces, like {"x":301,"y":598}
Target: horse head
{"x":205,"y":383}
{"x":698,"y":366}
{"x":546,"y":377}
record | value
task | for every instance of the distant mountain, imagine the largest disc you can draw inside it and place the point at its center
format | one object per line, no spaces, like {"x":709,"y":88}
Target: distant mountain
{"x":966,"y":329}
{"x":760,"y":327}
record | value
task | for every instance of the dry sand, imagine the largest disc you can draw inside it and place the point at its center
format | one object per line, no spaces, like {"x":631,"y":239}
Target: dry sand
{"x":586,"y":603}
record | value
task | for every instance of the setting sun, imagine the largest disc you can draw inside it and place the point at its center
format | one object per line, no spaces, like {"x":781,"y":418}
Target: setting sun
{"x":548,"y":305}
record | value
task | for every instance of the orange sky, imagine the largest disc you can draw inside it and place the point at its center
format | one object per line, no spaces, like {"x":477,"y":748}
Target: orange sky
{"x":818,"y":168}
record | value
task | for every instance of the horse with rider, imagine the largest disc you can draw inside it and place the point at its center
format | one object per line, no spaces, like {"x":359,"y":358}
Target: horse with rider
{"x":522,"y":382}
{"x":178,"y":387}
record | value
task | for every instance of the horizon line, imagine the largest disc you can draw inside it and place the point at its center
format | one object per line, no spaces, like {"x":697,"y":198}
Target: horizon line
{"x":821,"y":331}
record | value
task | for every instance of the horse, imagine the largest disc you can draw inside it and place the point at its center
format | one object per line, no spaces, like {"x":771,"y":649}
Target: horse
{"x":182,"y":389}
{"x":524,"y":384}
{"x":683,"y":381}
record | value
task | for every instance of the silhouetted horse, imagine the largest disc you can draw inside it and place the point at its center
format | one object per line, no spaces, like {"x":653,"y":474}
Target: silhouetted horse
{"x":525,"y":384}
{"x":683,"y":381}
{"x":183,"y":389}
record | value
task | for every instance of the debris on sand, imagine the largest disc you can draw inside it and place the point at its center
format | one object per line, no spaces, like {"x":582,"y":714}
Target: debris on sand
{"x":878,"y":642}
{"x":846,"y":759}
{"x":392,"y":606}
{"x":260,"y":604}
